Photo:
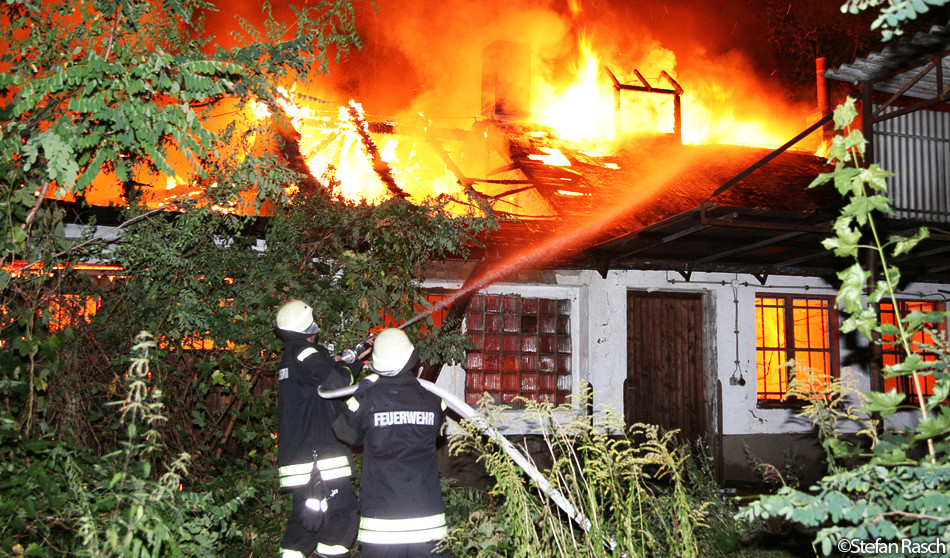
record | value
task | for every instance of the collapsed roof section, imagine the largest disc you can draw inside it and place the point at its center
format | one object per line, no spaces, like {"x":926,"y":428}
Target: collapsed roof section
{"x":652,"y":203}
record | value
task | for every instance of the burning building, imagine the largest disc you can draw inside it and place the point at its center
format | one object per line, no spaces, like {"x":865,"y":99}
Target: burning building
{"x":656,"y":249}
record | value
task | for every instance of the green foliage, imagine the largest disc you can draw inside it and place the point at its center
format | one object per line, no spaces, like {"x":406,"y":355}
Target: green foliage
{"x":838,"y":405}
{"x":113,"y":91}
{"x":892,"y":14}
{"x":638,"y":492}
{"x":116,"y":91}
{"x":197,"y":277}
{"x":61,"y":498}
{"x":898,"y":490}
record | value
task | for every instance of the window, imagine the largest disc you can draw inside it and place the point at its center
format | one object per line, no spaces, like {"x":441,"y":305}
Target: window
{"x":68,"y":310}
{"x":524,"y":348}
{"x":892,"y":352}
{"x":794,"y":328}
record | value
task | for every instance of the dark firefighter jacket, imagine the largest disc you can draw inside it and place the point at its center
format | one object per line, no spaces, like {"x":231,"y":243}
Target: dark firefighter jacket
{"x":305,"y":420}
{"x":397,"y":422}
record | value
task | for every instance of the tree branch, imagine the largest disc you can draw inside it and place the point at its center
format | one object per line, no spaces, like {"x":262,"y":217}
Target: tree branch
{"x":95,"y":238}
{"x":28,"y":222}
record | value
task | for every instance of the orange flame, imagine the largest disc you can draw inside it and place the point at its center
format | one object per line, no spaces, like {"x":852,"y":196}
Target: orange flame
{"x":586,"y":109}
{"x":334,"y":150}
{"x":583,"y":111}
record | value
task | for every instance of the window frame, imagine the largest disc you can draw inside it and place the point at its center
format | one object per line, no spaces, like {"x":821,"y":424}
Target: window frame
{"x":788,"y":306}
{"x":904,"y":383}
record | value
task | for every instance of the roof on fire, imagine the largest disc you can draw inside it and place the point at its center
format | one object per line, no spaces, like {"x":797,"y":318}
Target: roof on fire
{"x":653,"y":204}
{"x":763,"y":219}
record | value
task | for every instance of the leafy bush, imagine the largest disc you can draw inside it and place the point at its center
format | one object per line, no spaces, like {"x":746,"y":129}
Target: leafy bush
{"x":61,"y":498}
{"x":898,"y":491}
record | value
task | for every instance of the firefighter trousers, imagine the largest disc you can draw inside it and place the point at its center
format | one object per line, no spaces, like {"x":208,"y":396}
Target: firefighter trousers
{"x":413,"y":550}
{"x":336,"y":535}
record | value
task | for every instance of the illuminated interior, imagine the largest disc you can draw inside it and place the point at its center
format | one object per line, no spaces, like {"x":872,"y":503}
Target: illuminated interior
{"x":922,"y":343}
{"x":68,"y":310}
{"x":799,"y":331}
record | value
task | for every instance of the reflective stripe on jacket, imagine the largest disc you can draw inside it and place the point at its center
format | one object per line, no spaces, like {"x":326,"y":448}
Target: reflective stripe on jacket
{"x":330,"y":468}
{"x":306,"y":419}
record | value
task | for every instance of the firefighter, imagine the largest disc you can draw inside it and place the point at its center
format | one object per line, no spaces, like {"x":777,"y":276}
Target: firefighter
{"x":397,"y":422}
{"x":312,"y":464}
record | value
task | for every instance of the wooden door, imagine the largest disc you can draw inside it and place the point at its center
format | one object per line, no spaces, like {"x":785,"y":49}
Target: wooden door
{"x":664,"y":384}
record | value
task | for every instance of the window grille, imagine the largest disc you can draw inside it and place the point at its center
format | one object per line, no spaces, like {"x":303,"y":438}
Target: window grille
{"x":524,"y":348}
{"x":794,"y":329}
{"x":922,"y":342}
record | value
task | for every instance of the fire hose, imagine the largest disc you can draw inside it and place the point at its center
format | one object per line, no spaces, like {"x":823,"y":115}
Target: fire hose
{"x":469,"y":414}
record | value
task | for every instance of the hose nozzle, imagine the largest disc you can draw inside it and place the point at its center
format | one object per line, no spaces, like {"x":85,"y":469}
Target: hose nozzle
{"x":349,"y":356}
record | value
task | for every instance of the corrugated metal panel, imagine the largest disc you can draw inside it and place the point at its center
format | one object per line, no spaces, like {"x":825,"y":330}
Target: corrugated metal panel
{"x":916,"y":146}
{"x":915,"y":51}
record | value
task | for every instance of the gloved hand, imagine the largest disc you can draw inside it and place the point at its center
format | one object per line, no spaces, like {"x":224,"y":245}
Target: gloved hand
{"x":315,"y":506}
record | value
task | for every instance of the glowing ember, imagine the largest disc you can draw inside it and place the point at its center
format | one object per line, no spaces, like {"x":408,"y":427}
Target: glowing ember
{"x":552,"y":157}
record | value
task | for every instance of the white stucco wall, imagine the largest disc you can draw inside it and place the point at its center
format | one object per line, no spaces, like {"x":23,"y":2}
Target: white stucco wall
{"x":599,"y":330}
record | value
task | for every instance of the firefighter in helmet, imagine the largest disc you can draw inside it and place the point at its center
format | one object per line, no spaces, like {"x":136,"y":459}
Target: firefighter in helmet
{"x":312,"y":463}
{"x":397,"y":421}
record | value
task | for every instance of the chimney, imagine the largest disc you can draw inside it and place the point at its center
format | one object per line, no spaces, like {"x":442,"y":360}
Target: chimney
{"x":506,"y":81}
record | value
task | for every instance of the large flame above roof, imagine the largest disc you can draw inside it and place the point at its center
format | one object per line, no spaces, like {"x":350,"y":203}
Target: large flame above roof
{"x":404,"y":115}
{"x":578,"y":108}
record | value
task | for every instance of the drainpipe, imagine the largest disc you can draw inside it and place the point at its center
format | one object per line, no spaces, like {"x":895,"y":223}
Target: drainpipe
{"x":824,"y":98}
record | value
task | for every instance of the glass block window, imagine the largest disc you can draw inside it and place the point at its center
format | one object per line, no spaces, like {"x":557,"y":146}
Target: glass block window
{"x":524,"y":348}
{"x":922,"y":342}
{"x":794,"y":328}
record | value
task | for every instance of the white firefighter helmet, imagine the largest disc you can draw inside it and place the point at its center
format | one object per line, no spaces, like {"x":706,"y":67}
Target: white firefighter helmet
{"x":297,"y":316}
{"x":392,"y":350}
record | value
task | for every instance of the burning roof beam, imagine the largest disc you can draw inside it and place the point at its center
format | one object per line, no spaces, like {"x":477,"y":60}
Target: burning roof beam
{"x":380,"y":166}
{"x":676,"y":92}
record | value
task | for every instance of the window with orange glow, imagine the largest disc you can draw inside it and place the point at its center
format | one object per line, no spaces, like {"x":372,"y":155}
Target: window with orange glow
{"x":793,"y":328}
{"x":892,"y":352}
{"x":71,"y":310}
{"x":524,"y":348}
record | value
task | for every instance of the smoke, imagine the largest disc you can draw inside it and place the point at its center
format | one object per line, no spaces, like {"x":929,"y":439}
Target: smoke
{"x":432,"y":51}
{"x":425,"y":56}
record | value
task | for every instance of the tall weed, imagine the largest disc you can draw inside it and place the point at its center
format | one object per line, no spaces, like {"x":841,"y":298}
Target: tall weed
{"x":637,"y":490}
